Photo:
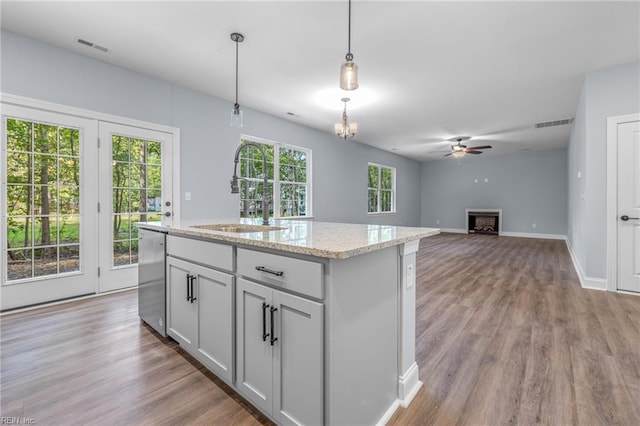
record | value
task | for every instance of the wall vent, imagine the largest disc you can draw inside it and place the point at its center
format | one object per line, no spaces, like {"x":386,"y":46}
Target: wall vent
{"x":90,"y":44}
{"x":554,"y":123}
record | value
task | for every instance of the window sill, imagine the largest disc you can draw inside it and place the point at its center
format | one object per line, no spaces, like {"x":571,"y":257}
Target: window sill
{"x":382,"y":214}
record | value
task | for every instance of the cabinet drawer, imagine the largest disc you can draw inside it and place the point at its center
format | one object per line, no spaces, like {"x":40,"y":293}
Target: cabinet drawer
{"x":204,"y":252}
{"x":300,"y":276}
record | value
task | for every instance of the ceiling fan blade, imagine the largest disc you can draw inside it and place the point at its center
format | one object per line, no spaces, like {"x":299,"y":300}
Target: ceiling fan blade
{"x":473,"y":152}
{"x":481,"y":147}
{"x":446,"y":155}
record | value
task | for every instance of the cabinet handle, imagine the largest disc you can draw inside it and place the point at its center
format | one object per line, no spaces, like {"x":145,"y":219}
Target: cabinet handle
{"x":264,"y":322}
{"x":273,"y":339}
{"x":193,"y":278}
{"x":188,"y":287}
{"x":269,"y":271}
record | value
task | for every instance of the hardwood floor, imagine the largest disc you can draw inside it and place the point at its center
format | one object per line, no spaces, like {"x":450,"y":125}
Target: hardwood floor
{"x":505,"y":335}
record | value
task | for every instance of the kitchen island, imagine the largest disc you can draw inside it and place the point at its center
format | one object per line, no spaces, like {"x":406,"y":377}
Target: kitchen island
{"x":312,"y":322}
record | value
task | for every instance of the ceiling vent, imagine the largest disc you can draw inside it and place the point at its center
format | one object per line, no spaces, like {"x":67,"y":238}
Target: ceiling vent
{"x":90,"y":44}
{"x":554,"y":123}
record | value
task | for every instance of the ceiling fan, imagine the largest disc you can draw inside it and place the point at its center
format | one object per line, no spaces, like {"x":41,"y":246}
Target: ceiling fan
{"x":458,"y":150}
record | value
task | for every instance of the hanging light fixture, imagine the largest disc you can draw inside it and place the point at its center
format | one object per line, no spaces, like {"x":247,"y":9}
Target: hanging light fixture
{"x":343,"y":129}
{"x":349,"y":70}
{"x":237,"y":115}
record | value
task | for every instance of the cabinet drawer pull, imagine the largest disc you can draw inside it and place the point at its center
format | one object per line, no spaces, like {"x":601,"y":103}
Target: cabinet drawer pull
{"x":264,"y":322}
{"x":273,"y":333}
{"x":269,"y":271}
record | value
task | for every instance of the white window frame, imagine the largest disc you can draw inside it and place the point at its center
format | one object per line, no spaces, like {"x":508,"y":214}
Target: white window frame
{"x":276,"y":175}
{"x":379,"y":189}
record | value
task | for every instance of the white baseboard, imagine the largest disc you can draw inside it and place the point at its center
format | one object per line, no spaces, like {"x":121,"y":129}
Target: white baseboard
{"x":388,"y":414}
{"x":532,"y":235}
{"x":511,"y":234}
{"x":585,"y":282}
{"x":408,"y":385}
{"x":453,"y":230}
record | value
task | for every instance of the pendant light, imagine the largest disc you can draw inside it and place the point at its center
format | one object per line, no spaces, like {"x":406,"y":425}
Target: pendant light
{"x":349,"y":70}
{"x":343,"y":129}
{"x":237,"y":115}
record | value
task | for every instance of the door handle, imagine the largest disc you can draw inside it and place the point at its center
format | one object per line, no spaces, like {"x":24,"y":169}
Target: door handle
{"x":167,"y":214}
{"x":625,"y":218}
{"x":193,"y":278}
{"x":273,"y":338}
{"x":264,"y":322}
{"x":188,"y":287}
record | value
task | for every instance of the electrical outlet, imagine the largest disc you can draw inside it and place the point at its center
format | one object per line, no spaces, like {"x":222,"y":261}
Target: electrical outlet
{"x":533,"y":225}
{"x":411,"y":275}
{"x":438,"y":222}
{"x":187,"y":196}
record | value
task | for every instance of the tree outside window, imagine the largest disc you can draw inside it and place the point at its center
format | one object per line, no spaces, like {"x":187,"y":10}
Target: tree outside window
{"x":290,"y":187}
{"x":382,"y":189}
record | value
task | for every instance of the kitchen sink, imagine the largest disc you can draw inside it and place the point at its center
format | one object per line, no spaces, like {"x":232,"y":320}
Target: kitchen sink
{"x":239,"y":227}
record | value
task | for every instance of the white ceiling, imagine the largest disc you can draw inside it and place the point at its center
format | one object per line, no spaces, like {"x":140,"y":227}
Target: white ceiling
{"x":429,"y":71}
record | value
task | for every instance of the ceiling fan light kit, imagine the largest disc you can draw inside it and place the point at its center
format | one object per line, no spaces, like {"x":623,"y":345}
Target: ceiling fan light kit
{"x":237,"y":115}
{"x":458,"y":150}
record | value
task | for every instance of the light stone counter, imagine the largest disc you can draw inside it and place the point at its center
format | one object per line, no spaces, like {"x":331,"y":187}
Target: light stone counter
{"x":307,"y":237}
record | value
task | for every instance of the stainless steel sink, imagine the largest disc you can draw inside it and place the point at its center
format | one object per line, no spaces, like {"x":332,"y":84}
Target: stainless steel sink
{"x":239,"y":227}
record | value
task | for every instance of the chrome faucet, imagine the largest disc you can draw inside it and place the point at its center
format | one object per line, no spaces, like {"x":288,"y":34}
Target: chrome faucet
{"x":234,"y":179}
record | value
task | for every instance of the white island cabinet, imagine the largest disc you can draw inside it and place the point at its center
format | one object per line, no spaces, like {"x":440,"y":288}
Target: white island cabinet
{"x":200,"y":302}
{"x":313,"y":323}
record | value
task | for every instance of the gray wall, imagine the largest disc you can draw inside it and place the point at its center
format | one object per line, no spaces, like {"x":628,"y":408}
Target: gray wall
{"x":41,"y":71}
{"x":605,"y":93}
{"x":530,"y":187}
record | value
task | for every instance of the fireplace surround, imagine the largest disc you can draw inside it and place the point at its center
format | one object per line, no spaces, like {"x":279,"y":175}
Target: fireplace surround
{"x":483,"y":221}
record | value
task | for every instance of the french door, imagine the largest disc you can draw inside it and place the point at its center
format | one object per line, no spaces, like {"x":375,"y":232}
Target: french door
{"x":72,"y":190}
{"x":135,"y":186}
{"x":49,"y":225}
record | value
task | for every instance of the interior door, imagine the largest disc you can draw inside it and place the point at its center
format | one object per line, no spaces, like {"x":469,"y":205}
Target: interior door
{"x":629,"y":206}
{"x":48,"y":206}
{"x":135,"y":186}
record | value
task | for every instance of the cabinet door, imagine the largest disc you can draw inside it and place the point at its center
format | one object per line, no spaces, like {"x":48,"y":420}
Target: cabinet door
{"x":298,"y":361}
{"x":254,"y":352}
{"x":181,"y":313}
{"x":215,"y":320}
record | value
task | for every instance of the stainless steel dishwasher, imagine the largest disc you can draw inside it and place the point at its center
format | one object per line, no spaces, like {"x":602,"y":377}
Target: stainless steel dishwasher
{"x":151,"y":279}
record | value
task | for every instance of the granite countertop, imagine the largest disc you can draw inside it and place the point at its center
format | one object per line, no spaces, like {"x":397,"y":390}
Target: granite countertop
{"x":320,"y":239}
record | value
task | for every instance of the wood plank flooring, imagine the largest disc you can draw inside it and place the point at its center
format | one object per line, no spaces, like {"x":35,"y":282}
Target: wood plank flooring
{"x":505,"y":335}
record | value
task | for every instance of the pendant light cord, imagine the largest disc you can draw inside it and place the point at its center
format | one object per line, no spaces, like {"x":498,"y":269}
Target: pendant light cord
{"x":236,"y":104}
{"x":349,"y":36}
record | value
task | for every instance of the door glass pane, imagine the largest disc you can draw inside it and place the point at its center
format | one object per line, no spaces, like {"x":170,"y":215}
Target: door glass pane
{"x":42,"y":199}
{"x":136,"y":177}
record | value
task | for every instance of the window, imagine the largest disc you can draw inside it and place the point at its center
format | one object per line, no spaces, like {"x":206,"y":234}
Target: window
{"x":43,"y":199}
{"x":290,"y":187}
{"x":382,"y":189}
{"x":136,"y":176}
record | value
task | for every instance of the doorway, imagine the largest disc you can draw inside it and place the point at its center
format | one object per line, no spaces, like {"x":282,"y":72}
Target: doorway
{"x":73,"y":185}
{"x":623,"y":203}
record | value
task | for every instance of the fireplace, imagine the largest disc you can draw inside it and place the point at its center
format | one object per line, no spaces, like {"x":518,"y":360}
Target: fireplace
{"x":484,"y":221}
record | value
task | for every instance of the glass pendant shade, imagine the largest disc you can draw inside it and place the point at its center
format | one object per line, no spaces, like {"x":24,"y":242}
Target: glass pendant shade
{"x":458,"y":153}
{"x":349,"y":76}
{"x":237,"y":117}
